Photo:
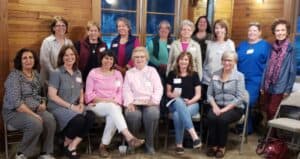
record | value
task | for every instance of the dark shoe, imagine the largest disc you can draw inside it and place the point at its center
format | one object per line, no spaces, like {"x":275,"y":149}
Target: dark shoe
{"x":71,"y":154}
{"x":219,"y":154}
{"x":179,"y":150}
{"x":103,"y":151}
{"x":134,"y":142}
{"x":197,"y":143}
{"x":211,"y":152}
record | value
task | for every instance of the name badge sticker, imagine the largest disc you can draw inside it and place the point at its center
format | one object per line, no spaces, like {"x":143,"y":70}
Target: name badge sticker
{"x":118,"y":83}
{"x":78,"y":79}
{"x":102,"y":49}
{"x":177,"y":80}
{"x":192,"y":49}
{"x":115,"y":45}
{"x":168,"y":46}
{"x":250,"y":51}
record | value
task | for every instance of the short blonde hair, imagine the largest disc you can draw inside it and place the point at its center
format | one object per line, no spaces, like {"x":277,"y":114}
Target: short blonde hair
{"x":140,"y":49}
{"x":230,"y":54}
{"x":91,"y":24}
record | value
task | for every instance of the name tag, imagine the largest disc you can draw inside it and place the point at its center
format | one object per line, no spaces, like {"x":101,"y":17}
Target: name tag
{"x":118,"y":83}
{"x":215,"y":77}
{"x":102,"y":49}
{"x":78,"y":79}
{"x":148,"y":84}
{"x":177,"y":80}
{"x":168,"y":46}
{"x":250,"y":51}
{"x":192,"y":49}
{"x":115,"y":45}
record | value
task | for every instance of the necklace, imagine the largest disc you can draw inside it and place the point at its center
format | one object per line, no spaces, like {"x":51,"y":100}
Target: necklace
{"x":28,"y":76}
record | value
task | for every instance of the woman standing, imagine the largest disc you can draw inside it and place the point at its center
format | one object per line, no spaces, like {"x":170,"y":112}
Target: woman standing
{"x":280,"y":72}
{"x":186,"y":44}
{"x":51,"y":46}
{"x":215,"y":49}
{"x":66,"y":102}
{"x":25,"y":109}
{"x":253,"y":52}
{"x":226,"y":96}
{"x":142,"y":93}
{"x":202,"y":33}
{"x":123,"y":45}
{"x":183,"y":85}
{"x":104,"y":95}
{"x":90,"y":49}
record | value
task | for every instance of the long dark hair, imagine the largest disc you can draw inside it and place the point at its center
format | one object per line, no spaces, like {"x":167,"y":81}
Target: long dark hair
{"x":208,"y":28}
{"x":18,"y":59}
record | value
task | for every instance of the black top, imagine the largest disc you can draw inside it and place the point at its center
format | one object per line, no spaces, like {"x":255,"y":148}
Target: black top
{"x":187,"y":84}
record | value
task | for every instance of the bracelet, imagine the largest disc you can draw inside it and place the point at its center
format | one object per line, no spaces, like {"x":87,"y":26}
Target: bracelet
{"x":71,"y":105}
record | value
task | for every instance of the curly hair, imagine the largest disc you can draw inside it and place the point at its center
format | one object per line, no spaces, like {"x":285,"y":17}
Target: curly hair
{"x":281,"y":21}
{"x":18,"y":59}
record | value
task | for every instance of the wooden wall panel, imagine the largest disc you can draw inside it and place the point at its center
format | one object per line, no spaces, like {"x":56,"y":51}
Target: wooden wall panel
{"x":223,"y":10}
{"x":246,"y":11}
{"x":3,"y":57}
{"x":28,"y":21}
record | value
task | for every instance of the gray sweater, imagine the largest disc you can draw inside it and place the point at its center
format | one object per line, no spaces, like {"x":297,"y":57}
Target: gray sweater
{"x":227,"y":92}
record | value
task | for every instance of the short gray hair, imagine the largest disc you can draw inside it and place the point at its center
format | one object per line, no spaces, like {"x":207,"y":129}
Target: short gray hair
{"x":164,"y":22}
{"x":187,"y":23}
{"x":230,"y":54}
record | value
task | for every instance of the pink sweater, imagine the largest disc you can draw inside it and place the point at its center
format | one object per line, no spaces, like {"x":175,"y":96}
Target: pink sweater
{"x":104,"y":86}
{"x":142,"y":84}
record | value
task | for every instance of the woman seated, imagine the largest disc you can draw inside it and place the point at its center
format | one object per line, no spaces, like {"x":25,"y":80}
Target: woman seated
{"x":142,"y":93}
{"x":25,"y":109}
{"x":183,"y":86}
{"x":65,"y":93}
{"x":104,"y":95}
{"x":226,"y":95}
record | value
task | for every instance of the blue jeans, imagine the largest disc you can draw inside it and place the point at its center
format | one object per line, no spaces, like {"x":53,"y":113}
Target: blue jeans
{"x":182,"y":117}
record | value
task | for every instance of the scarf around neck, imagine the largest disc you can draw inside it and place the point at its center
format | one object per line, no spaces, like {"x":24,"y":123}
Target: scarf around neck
{"x":279,"y":51}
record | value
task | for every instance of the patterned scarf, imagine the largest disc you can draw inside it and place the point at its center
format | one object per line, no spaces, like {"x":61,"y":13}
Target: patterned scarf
{"x":279,"y":51}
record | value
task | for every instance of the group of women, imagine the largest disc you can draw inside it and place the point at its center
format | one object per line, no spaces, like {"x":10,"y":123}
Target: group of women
{"x":85,"y":79}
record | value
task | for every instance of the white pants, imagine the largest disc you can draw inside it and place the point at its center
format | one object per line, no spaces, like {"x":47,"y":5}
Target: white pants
{"x":114,"y":119}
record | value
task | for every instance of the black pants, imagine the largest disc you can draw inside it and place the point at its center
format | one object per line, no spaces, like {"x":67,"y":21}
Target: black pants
{"x":80,"y":125}
{"x":218,"y":126}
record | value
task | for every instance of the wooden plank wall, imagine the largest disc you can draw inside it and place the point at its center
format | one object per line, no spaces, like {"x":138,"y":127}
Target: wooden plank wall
{"x":223,"y":10}
{"x":246,"y":11}
{"x":28,"y":21}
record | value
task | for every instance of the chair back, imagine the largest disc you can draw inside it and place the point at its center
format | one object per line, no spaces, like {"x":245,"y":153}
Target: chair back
{"x":292,"y":100}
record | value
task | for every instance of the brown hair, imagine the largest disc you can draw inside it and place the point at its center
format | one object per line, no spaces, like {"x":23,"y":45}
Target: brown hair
{"x":62,"y":53}
{"x":256,"y":24}
{"x":223,"y":24}
{"x":281,"y":21}
{"x":57,"y":19}
{"x":190,"y":68}
{"x":126,"y":21}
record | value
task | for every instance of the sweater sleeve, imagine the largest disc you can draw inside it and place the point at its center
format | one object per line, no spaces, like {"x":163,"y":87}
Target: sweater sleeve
{"x":13,"y":91}
{"x":127,"y":91}
{"x":158,"y":89}
{"x":90,"y":94}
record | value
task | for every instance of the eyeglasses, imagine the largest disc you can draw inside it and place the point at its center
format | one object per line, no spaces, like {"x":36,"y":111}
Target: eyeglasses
{"x":136,"y":57}
{"x":62,"y":26}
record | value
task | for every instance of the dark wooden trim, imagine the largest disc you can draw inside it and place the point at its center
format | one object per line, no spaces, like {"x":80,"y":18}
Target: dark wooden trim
{"x":4,"y":64}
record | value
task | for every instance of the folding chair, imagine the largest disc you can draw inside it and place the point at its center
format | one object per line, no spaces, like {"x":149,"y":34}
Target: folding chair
{"x":287,"y":124}
{"x":11,"y":136}
{"x":243,"y":120}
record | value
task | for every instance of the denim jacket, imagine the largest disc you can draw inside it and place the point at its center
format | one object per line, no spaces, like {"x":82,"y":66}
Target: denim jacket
{"x":287,"y":74}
